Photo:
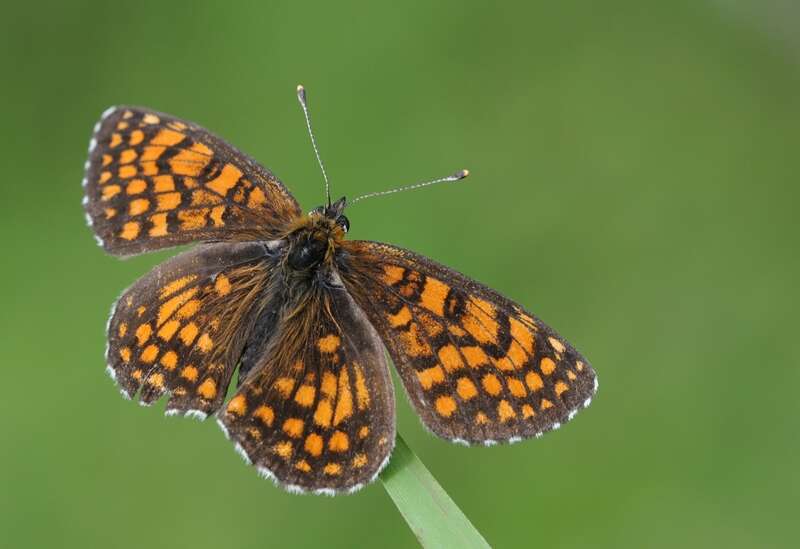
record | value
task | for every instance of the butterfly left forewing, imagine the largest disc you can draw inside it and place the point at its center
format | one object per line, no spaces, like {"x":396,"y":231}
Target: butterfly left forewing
{"x":316,"y":413}
{"x":477,"y":367}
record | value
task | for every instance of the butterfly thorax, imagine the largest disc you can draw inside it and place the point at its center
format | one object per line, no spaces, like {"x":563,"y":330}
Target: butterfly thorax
{"x":314,"y":237}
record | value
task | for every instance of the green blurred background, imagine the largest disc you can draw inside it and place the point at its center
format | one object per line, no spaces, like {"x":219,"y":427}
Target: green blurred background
{"x":634,"y":182}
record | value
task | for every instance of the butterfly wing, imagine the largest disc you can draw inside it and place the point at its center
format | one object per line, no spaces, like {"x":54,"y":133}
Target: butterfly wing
{"x":154,"y":181}
{"x":477,"y":367}
{"x":181,"y":329}
{"x":316,"y":413}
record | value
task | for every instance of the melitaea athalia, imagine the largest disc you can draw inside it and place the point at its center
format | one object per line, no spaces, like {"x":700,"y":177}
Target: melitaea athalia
{"x":305,"y":315}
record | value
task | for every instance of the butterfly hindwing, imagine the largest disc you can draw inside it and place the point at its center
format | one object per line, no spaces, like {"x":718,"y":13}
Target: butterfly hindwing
{"x":316,"y":413}
{"x":477,"y":367}
{"x":154,"y":181}
{"x":180,"y":330}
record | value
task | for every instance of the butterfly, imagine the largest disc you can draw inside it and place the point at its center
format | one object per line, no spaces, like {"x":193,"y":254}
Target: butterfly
{"x":302,"y":316}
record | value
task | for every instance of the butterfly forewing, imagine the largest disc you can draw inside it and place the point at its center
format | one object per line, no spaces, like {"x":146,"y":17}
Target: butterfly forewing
{"x":478,"y":368}
{"x":317,"y":411}
{"x":154,"y":181}
{"x":181,"y":329}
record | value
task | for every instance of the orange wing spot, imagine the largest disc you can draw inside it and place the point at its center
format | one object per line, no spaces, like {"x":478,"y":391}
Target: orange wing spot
{"x":189,"y":309}
{"x":156,"y":380}
{"x":515,"y":358}
{"x":450,"y":358}
{"x":392,"y":274}
{"x":168,"y":201}
{"x":481,"y":419}
{"x":137,"y":136}
{"x":204,"y":198}
{"x":116,"y":139}
{"x":167,"y":137}
{"x":105,"y":176}
{"x":579,"y":366}
{"x":106,"y":159}
{"x":256,"y":198}
{"x":332,"y":469}
{"x":130,"y":230}
{"x":121,"y":125}
{"x":362,"y":393}
{"x":323,"y":413}
{"x":237,"y":405}
{"x":136,"y":186}
{"x":193,"y":219}
{"x":150,"y":118}
{"x":284,"y":386}
{"x":402,"y":317}
{"x":110,"y":212}
{"x":204,"y":343}
{"x":283,"y":449}
{"x":207,"y":389}
{"x":466,"y":389}
{"x":527,"y":411}
{"x":313,"y":444}
{"x":169,"y":307}
{"x":363,"y":432}
{"x":138,"y":206}
{"x":149,"y":354}
{"x":339,"y":442}
{"x":359,"y":461}
{"x":305,"y":395}
{"x":265,"y":414}
{"x":222,"y":285}
{"x":475,"y":356}
{"x":329,"y":343}
{"x":188,"y":162}
{"x":430,"y":377}
{"x":188,"y":333}
{"x":216,"y":216}
{"x":122,"y":330}
{"x":139,"y":310}
{"x":149,"y":168}
{"x":491,"y":384}
{"x":143,"y":333}
{"x":534,"y":381}
{"x":159,"y":222}
{"x":163,"y":183}
{"x":456,"y":330}
{"x":226,"y":180}
{"x":189,"y":373}
{"x":344,"y":404}
{"x":328,"y":385}
{"x":505,"y":412}
{"x":190,"y":182}
{"x":479,"y":321}
{"x":302,"y":465}
{"x":127,"y":156}
{"x":516,"y":387}
{"x":293,"y":427}
{"x":125,"y":354}
{"x":560,"y":387}
{"x":571,"y":375}
{"x":151,"y":154}
{"x":432,"y":326}
{"x":198,"y":147}
{"x":445,"y":406}
{"x":413,"y":344}
{"x":111,"y":191}
{"x":433,"y":296}
{"x":169,"y":360}
{"x":521,"y":334}
{"x":545,"y":404}
{"x":556,"y":344}
{"x":175,"y":285}
{"x":127,"y":171}
{"x":137,"y":374}
{"x":547,"y":366}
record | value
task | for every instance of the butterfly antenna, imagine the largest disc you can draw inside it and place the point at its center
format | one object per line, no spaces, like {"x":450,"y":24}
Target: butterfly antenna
{"x":458,"y":176}
{"x":301,"y":96}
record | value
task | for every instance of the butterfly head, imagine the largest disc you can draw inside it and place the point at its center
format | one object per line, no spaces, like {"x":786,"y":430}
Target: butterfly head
{"x":313,"y":240}
{"x":334,"y":212}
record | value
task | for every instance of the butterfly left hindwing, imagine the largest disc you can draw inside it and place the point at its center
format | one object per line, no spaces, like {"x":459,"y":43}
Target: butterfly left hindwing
{"x":477,"y":367}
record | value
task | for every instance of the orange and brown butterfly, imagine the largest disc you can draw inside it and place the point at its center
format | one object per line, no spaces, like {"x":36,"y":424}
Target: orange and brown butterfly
{"x":304,"y":314}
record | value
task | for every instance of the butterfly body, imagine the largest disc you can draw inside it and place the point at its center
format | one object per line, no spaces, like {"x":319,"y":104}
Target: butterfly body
{"x":304,"y":316}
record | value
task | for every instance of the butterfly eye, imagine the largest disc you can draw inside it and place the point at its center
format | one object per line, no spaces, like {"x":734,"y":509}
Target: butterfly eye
{"x":343,"y":222}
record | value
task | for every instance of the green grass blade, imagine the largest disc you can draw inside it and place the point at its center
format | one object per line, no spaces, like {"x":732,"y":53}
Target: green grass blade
{"x":430,"y":513}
